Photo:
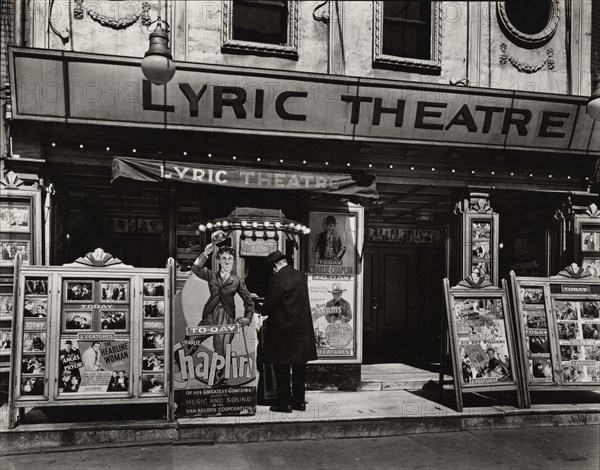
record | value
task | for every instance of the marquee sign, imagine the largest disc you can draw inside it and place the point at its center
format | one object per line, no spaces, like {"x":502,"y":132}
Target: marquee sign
{"x":93,"y":89}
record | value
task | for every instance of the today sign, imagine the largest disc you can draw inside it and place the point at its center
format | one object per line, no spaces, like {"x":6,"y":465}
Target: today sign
{"x":92,"y":89}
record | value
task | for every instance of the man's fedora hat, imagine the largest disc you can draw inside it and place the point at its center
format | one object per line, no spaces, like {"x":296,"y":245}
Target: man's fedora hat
{"x":275,"y":256}
{"x":337,"y":287}
{"x":330,"y":220}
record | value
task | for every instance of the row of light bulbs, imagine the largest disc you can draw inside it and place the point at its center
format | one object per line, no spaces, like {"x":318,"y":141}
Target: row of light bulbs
{"x":266,"y":225}
{"x":348,"y":164}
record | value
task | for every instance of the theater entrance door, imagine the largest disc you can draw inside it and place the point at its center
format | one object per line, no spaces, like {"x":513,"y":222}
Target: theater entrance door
{"x":402,"y":303}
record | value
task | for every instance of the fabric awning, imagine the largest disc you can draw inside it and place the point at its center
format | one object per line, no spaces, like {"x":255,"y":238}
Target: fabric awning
{"x":242,"y":177}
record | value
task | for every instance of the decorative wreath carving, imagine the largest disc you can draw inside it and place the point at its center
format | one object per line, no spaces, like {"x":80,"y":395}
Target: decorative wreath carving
{"x":529,"y":40}
{"x":593,"y":210}
{"x":522,"y":66}
{"x":110,"y":22}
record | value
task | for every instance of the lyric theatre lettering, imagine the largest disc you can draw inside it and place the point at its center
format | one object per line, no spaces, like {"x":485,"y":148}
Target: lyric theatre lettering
{"x":427,"y":114}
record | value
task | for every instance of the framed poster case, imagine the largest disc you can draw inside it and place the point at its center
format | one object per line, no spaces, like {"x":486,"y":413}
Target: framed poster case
{"x":558,"y":328}
{"x":94,"y":332}
{"x":333,"y":258}
{"x":20,"y":232}
{"x":483,"y":354}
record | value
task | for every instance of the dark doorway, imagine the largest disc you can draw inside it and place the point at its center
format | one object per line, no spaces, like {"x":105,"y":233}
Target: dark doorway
{"x":402,"y":303}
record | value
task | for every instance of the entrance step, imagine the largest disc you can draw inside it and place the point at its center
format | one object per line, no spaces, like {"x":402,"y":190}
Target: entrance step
{"x":382,"y":377}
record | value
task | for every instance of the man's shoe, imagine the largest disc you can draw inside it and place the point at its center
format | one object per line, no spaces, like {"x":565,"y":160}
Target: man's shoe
{"x":301,"y":407}
{"x":281,"y":409}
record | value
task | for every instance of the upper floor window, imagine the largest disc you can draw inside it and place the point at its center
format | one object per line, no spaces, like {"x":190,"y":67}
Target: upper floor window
{"x":261,"y":25}
{"x":407,"y":33}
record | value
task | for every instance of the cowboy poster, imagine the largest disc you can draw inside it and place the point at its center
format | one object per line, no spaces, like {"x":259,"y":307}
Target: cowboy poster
{"x":214,"y":364}
{"x":334,"y":315}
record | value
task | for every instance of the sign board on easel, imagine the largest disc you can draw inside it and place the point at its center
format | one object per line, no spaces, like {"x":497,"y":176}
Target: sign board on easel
{"x":480,"y":331}
{"x":558,"y":323}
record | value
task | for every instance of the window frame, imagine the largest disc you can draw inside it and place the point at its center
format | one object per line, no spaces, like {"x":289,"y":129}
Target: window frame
{"x":290,"y":49}
{"x":433,"y":64}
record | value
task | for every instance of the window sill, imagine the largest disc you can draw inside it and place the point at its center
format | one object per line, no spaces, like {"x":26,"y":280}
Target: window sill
{"x":247,"y":47}
{"x":429,"y":67}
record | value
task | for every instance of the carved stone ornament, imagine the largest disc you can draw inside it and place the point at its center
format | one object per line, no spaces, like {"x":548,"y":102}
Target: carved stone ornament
{"x":524,"y":39}
{"x":11,"y":181}
{"x":99,"y":259}
{"x":558,"y":215}
{"x":480,"y":206}
{"x":111,"y":22}
{"x":522,"y":66}
{"x":573,"y":271}
{"x":288,"y":49}
{"x":593,"y":210}
{"x":475,"y":282}
{"x":434,"y":64}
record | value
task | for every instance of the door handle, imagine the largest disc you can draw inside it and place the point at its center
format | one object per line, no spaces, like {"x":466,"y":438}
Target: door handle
{"x":374,"y":303}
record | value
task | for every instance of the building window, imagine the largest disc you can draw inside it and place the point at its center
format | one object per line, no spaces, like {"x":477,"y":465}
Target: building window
{"x":529,"y":24}
{"x":407,"y":33}
{"x":268,"y":26}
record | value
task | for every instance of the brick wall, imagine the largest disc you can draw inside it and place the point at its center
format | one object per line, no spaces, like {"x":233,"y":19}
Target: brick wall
{"x":7,"y":12}
{"x":596,"y":38}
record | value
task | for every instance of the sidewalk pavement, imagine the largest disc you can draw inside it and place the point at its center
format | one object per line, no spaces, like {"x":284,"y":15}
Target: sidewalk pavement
{"x":328,"y":415}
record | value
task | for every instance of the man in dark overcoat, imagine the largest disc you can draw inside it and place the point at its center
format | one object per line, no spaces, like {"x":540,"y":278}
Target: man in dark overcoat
{"x":289,"y":337}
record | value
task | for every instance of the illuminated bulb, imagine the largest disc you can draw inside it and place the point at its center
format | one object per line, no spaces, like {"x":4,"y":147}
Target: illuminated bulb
{"x":258,"y":159}
{"x":531,"y":175}
{"x":412,"y":168}
{"x":267,"y":223}
{"x":218,"y":224}
{"x":291,"y":226}
{"x":326,"y":163}
{"x":225,"y":223}
{"x":209,"y":226}
{"x":370,"y":165}
{"x":512,"y":173}
{"x":298,"y":227}
{"x":184,"y":154}
{"x":500,"y":245}
{"x":493,"y":172}
{"x":568,"y":177}
{"x":202,"y":227}
{"x":303,"y":228}
{"x":244,"y":223}
{"x":80,"y":146}
{"x":453,"y":170}
{"x":307,"y":230}
{"x":134,"y":150}
{"x":254,"y":224}
{"x":107,"y":149}
{"x":391,"y":166}
{"x":281,"y":160}
{"x":210,"y":155}
{"x":348,"y":164}
{"x":53,"y":144}
{"x":587,"y":178}
{"x":234,"y":157}
{"x":304,"y":162}
{"x":432,"y":168}
{"x":549,"y":176}
{"x":472,"y":172}
{"x":277,"y":225}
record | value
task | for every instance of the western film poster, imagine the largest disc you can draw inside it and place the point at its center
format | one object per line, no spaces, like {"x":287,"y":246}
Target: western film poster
{"x":93,"y":363}
{"x":214,"y":366}
{"x":332,"y":283}
{"x":482,"y":340}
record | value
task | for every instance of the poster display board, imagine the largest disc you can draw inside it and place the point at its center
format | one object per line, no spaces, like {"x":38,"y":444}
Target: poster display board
{"x":20,"y":233}
{"x":333,"y":283}
{"x":484,"y":357}
{"x":214,"y":364}
{"x":91,"y":333}
{"x":559,"y":329}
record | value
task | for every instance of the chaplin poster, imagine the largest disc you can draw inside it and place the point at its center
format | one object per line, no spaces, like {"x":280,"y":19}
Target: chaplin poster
{"x":93,"y":363}
{"x":332,"y":244}
{"x":214,"y":367}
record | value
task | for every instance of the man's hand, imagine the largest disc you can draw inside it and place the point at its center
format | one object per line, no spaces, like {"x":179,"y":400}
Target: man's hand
{"x":208,"y":249}
{"x":243,"y":321}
